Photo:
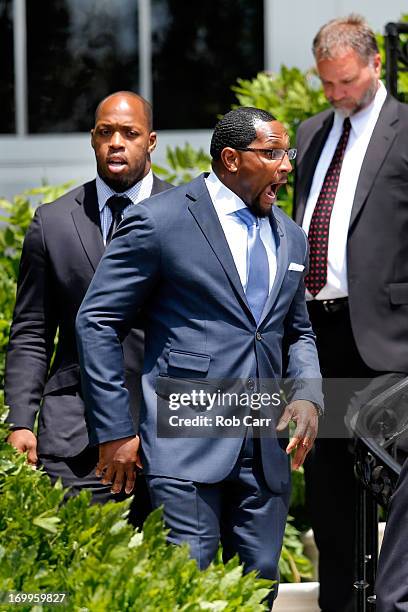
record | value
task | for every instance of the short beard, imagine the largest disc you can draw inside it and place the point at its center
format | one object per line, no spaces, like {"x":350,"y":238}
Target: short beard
{"x":118,"y":185}
{"x":258,"y":211}
{"x":364,"y":101}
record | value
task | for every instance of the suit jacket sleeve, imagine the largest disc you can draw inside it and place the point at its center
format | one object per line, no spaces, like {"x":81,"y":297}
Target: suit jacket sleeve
{"x":302,"y":365}
{"x":121,"y":285}
{"x":32,"y":332}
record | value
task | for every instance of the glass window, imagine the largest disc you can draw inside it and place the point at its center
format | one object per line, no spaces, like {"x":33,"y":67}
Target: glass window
{"x":7,"y":118}
{"x":78,"y":51}
{"x":199,"y":50}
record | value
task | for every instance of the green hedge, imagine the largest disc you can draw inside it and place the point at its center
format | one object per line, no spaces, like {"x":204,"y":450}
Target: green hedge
{"x":94,"y":556}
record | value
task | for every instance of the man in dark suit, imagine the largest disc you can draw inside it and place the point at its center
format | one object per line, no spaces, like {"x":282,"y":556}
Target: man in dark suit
{"x":392,"y":579}
{"x":61,"y":251}
{"x":351,"y":198}
{"x":219,"y":271}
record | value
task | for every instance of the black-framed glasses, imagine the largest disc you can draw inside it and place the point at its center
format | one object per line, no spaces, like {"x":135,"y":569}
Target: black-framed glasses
{"x":272,"y":154}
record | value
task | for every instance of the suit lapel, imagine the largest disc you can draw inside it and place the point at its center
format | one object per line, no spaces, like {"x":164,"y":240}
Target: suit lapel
{"x":307,"y":163}
{"x":204,"y":213}
{"x":87,"y":223}
{"x":381,"y":140}
{"x":281,"y":242}
{"x":159,"y":186}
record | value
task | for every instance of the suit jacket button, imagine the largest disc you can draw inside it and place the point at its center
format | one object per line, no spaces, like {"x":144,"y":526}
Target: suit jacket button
{"x":258,"y":335}
{"x":250,"y":384}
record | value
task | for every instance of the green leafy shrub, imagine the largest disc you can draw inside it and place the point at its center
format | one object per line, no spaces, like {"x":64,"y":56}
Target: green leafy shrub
{"x":184,"y":164}
{"x":93,"y":555}
{"x":292,"y":561}
{"x":290,"y":95}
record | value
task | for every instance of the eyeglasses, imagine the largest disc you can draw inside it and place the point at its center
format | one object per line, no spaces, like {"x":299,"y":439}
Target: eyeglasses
{"x":272,"y":154}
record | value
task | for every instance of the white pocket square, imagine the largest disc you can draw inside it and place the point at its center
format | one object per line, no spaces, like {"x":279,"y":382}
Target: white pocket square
{"x":295,"y":266}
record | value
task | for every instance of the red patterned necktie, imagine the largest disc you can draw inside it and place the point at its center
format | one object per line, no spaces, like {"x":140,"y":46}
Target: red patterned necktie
{"x":319,"y":224}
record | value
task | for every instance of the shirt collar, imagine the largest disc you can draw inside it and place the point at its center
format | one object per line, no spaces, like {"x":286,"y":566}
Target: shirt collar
{"x":365,"y":116}
{"x":224,"y":200}
{"x":139,"y":191}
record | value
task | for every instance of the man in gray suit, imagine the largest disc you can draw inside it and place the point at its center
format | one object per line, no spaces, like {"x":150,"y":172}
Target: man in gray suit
{"x":219,"y":271}
{"x":62,"y":249}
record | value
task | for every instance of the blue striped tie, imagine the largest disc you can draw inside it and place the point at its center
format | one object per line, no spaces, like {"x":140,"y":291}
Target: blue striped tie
{"x":257,"y":286}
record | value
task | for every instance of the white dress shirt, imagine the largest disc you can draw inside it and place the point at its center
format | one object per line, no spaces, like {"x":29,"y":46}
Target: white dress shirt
{"x":226,"y":202}
{"x":140,"y":191}
{"x":362,"y":126}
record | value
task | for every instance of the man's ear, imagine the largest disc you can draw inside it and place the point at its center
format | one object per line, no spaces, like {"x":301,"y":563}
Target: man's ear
{"x":152,"y":142}
{"x":92,"y":138}
{"x":230,"y":159}
{"x":377,"y":64}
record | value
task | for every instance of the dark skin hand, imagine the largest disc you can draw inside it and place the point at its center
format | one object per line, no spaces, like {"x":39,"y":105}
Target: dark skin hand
{"x":117,"y":463}
{"x":25,"y":442}
{"x":304,"y":414}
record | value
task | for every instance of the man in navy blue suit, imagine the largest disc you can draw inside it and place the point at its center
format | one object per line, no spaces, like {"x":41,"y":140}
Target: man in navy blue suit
{"x":219,"y":272}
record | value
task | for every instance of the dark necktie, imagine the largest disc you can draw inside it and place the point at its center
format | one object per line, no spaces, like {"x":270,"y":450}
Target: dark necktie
{"x":257,"y":288}
{"x":117,"y":204}
{"x":319,"y":224}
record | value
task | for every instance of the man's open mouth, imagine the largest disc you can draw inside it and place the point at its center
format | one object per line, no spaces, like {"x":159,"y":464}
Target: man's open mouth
{"x":271,"y":192}
{"x":116,"y":164}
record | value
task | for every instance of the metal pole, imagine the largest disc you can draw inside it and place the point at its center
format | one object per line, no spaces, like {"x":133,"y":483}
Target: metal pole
{"x":391,"y":58}
{"x":268,"y":38}
{"x":371,"y":548}
{"x":360,"y":583}
{"x":145,"y":49}
{"x":20,"y":67}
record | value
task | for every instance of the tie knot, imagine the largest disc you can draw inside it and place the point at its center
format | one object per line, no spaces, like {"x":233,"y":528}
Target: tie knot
{"x":246,"y":216}
{"x":118,"y":203}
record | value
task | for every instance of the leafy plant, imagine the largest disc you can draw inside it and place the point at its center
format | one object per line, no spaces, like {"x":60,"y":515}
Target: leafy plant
{"x":184,"y":164}
{"x":93,"y":554}
{"x":290,"y":95}
{"x":292,"y":563}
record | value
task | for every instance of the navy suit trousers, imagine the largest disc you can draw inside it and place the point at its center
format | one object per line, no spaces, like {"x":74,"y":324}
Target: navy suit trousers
{"x":241,"y":512}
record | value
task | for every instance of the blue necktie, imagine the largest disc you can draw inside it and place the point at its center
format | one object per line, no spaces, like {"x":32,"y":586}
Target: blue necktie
{"x":257,"y":288}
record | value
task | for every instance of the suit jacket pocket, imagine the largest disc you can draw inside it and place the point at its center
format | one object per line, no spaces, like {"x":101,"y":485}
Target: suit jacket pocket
{"x":182,"y":363}
{"x":63,"y":379}
{"x":398,"y":293}
{"x":62,"y":429}
{"x":166,"y":386}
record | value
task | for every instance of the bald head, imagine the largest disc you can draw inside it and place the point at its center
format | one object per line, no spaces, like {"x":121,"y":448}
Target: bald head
{"x":123,"y":139}
{"x":128,"y":97}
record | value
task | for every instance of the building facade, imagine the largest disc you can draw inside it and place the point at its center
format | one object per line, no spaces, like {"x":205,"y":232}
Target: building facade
{"x":58,"y":58}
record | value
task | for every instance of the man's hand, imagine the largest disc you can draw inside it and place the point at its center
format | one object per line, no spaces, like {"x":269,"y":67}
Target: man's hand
{"x":117,"y":463}
{"x":304,"y":413}
{"x":25,"y":441}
